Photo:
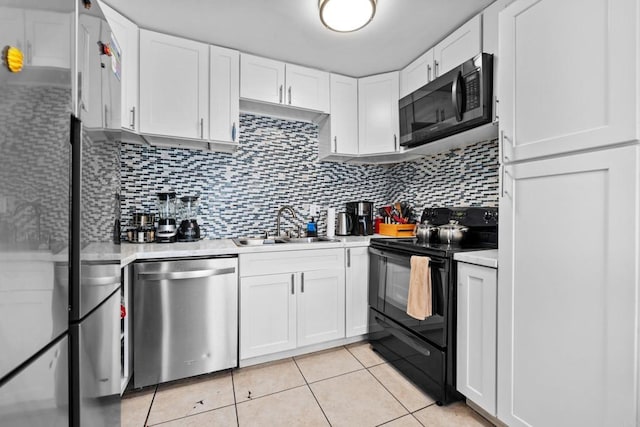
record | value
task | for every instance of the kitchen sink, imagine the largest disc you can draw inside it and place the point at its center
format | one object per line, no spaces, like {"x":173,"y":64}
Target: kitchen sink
{"x":254,"y":241}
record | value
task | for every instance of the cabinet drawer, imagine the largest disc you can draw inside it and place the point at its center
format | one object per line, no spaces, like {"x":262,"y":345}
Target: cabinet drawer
{"x":291,"y":261}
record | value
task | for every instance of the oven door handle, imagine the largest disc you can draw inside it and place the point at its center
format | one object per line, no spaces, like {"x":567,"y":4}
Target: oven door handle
{"x":402,"y":336}
{"x":403,"y":258}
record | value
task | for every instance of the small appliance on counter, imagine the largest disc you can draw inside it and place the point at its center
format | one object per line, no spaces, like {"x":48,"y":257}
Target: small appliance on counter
{"x":143,"y":230}
{"x":189,"y":230}
{"x":361,"y":215}
{"x":343,"y":228}
{"x":167,"y":229}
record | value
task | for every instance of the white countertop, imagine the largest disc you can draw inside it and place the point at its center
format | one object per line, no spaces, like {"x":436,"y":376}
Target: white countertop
{"x":131,"y":252}
{"x":488,"y":258}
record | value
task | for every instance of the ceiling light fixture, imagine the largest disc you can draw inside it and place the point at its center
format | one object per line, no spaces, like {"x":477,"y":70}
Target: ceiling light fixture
{"x":346,"y":15}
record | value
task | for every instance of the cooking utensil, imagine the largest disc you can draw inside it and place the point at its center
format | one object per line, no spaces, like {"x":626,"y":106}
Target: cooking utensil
{"x":426,"y":232}
{"x":452,"y":233}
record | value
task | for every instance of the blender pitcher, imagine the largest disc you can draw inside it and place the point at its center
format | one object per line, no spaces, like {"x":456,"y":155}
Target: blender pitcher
{"x":189,"y":230}
{"x":167,"y":230}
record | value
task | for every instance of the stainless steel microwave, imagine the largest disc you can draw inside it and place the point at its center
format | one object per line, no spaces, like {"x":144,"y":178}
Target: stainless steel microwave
{"x":454,"y":102}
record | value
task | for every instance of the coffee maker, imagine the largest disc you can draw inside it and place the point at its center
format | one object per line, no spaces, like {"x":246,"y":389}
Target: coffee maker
{"x":167,"y":229}
{"x":189,"y":230}
{"x":361,"y":214}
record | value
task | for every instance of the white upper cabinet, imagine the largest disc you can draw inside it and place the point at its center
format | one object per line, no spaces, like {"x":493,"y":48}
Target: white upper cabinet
{"x":344,"y":115}
{"x":459,"y":46}
{"x":43,"y":36}
{"x":307,"y":88}
{"x":174,"y":86}
{"x":549,"y":102}
{"x":378,"y":113}
{"x":48,"y":36}
{"x":127,"y":35}
{"x":224,"y":84}
{"x":12,"y":27}
{"x":267,"y":80}
{"x":261,"y":79}
{"x":417,"y":74}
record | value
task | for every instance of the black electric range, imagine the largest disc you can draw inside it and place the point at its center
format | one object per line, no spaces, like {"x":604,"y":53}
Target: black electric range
{"x":424,"y":350}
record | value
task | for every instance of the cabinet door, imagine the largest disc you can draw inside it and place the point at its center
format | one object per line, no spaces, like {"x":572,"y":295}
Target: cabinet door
{"x":307,"y":88}
{"x":357,"y":287}
{"x":48,"y":37}
{"x":417,"y":74}
{"x":111,"y":84}
{"x":320,"y":306}
{"x":12,"y":27}
{"x":174,"y":86}
{"x":476,"y":335}
{"x":90,"y":72}
{"x":267,"y":314}
{"x":344,"y":114}
{"x":550,"y":105}
{"x":224,"y":99}
{"x":378,"y":113}
{"x":261,"y":79}
{"x":126,"y":33}
{"x":459,"y":46}
{"x":568,"y":290}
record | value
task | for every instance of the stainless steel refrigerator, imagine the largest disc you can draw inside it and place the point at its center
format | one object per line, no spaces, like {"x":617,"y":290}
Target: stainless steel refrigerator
{"x":59,"y":180}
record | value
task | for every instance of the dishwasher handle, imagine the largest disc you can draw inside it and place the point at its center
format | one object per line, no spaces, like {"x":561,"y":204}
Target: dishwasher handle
{"x":191,"y":274}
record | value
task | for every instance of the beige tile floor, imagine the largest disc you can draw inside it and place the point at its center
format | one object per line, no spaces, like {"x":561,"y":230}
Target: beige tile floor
{"x":344,"y":386}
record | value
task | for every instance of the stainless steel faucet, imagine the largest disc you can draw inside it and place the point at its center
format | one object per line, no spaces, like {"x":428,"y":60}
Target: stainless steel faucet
{"x":282,"y":209}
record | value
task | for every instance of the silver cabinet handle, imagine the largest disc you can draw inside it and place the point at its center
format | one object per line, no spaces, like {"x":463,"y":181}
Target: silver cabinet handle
{"x":289,"y":95}
{"x":335,"y":144}
{"x":428,"y":72}
{"x":302,"y":282}
{"x":293,"y":289}
{"x":501,"y":180}
{"x":133,"y":117}
{"x":105,"y":117}
{"x":348,"y":257}
{"x":501,"y":147}
{"x":233,"y":132}
{"x":201,"y":128}
{"x":280,"y":92}
{"x":395,"y":142}
{"x":435,"y":68}
{"x":495,"y":109}
{"x":193,"y":274}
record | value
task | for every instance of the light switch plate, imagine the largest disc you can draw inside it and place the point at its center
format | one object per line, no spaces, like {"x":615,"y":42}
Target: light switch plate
{"x":313,"y":210}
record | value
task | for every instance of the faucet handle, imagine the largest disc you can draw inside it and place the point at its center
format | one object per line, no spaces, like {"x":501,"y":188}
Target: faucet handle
{"x":266,"y":234}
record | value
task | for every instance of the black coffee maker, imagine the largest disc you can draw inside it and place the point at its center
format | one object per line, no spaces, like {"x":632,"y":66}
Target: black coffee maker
{"x":361,"y":214}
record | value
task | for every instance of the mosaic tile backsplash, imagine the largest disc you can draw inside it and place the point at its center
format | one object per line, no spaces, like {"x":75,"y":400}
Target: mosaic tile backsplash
{"x":277,"y":164}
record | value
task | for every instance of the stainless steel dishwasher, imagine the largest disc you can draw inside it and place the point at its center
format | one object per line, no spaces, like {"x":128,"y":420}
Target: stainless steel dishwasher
{"x":185,"y":318}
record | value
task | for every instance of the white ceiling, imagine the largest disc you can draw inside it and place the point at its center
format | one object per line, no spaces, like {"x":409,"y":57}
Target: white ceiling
{"x":291,"y":31}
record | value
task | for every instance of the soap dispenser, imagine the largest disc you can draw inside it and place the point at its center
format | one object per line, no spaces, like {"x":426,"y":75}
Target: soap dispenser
{"x":312,"y":228}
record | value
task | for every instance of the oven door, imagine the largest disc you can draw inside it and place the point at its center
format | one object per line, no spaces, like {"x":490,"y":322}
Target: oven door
{"x":389,"y":290}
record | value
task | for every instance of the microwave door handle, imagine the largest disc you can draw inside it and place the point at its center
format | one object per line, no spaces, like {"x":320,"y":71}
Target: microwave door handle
{"x":456,"y":96}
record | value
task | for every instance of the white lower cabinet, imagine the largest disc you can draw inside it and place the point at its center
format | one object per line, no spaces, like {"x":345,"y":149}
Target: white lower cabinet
{"x":290,"y":300}
{"x":476,"y":334}
{"x":568,"y":290}
{"x":357,"y":288}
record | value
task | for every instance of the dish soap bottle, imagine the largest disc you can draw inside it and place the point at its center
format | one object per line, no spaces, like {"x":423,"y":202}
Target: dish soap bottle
{"x":312,"y":228}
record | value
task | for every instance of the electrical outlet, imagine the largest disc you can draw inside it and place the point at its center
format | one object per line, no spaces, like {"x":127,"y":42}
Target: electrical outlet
{"x":313,"y":210}
{"x":3,"y":205}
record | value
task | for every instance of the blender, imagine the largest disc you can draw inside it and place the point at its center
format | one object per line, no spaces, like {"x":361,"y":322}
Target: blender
{"x":189,"y":230}
{"x":167,"y":230}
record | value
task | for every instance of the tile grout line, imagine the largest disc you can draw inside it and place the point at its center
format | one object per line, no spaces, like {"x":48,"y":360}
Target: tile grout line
{"x":146,"y":419}
{"x":311,"y":390}
{"x":235,"y":401}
